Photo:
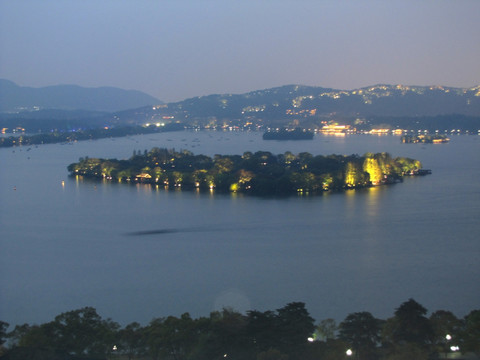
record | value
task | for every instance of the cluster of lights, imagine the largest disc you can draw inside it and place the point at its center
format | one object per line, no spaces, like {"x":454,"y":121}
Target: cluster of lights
{"x":158,"y":124}
{"x":448,"y":337}
{"x":453,"y":348}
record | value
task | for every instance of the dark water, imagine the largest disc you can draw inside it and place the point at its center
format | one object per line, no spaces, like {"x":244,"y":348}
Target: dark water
{"x":137,"y":252}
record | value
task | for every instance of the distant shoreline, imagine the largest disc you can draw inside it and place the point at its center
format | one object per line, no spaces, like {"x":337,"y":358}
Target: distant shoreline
{"x":22,"y":139}
{"x":81,"y":135}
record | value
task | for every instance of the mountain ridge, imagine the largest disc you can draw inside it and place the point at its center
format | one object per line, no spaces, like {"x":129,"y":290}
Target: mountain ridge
{"x":300,"y":104}
{"x":399,"y":106}
{"x":15,"y":98}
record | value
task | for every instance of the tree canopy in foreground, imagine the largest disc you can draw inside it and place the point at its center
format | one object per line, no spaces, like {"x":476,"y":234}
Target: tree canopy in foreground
{"x":288,"y":333}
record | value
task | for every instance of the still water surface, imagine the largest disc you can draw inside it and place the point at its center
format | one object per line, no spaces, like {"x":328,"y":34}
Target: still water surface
{"x":67,"y":246}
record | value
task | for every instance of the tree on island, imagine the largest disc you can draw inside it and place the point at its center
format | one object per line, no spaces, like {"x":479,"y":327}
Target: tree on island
{"x":259,"y":173}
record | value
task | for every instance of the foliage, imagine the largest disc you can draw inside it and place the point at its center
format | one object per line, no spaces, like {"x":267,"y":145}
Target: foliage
{"x":80,"y":332}
{"x":326,"y":329}
{"x":270,"y":335}
{"x":355,"y":176}
{"x":425,"y":139}
{"x":272,"y":354}
{"x":470,"y":334}
{"x":131,"y":340}
{"x":260,"y":173}
{"x":411,"y":324}
{"x":362,"y":331}
{"x":408,"y":351}
{"x":444,"y":323}
{"x":372,"y":167}
{"x":294,"y":326}
{"x":3,"y":332}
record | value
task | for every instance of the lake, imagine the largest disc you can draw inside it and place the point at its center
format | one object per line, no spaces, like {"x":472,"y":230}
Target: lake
{"x":65,"y":242}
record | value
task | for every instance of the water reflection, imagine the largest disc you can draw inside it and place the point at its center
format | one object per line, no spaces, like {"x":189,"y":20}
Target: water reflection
{"x":144,"y":188}
{"x":373,"y":201}
{"x":350,"y":210}
{"x":375,"y":220}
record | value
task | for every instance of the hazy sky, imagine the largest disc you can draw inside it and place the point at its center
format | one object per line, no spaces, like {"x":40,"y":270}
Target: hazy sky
{"x":175,"y":49}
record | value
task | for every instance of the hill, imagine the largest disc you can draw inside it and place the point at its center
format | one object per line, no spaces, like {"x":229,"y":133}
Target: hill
{"x":308,"y":106}
{"x":14,"y":98}
{"x":385,"y":106}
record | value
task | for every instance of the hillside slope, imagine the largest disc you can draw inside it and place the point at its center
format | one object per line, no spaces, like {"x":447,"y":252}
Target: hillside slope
{"x":15,"y":98}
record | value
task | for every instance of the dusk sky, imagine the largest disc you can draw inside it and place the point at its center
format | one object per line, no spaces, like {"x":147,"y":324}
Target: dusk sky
{"x":175,"y":49}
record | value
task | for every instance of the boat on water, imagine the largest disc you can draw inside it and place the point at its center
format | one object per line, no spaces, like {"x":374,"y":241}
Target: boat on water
{"x":420,"y":172}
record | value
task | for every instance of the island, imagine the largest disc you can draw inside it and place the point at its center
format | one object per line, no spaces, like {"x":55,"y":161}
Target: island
{"x":287,"y":134}
{"x":425,"y":139}
{"x":259,"y":173}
